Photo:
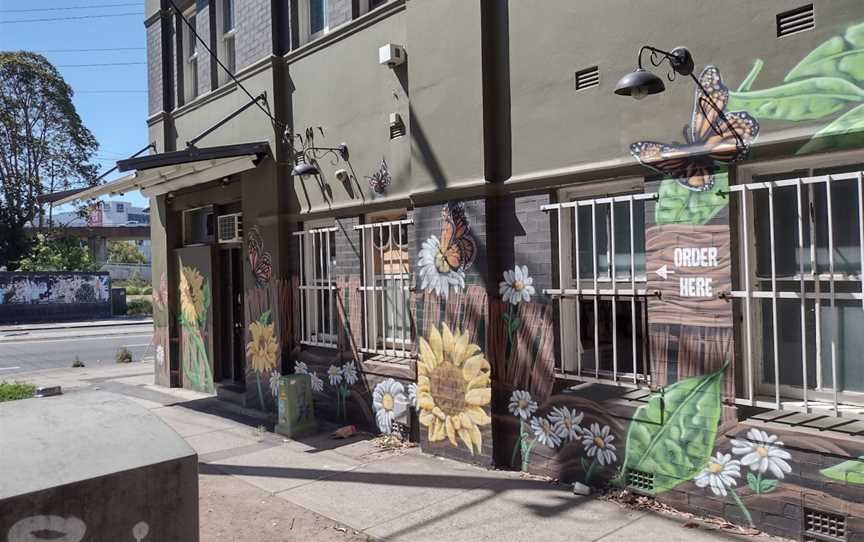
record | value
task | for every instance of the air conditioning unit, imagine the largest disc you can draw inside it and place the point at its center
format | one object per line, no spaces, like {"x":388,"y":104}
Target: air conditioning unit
{"x":230,"y":228}
{"x":391,"y":55}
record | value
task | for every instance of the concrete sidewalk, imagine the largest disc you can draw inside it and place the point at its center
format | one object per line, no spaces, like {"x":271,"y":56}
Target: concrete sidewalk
{"x":383,"y":494}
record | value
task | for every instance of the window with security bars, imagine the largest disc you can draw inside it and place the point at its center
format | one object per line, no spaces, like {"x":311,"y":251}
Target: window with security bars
{"x":800,"y":293}
{"x":601,"y":290}
{"x":318,"y":316}
{"x":386,"y":287}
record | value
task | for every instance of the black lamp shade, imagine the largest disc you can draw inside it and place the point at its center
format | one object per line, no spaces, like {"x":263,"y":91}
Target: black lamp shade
{"x":639,"y":83}
{"x":304,"y":169}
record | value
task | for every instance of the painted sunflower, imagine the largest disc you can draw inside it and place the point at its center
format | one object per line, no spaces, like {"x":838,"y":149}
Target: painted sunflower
{"x":262,"y":348}
{"x":453,"y":386}
{"x":191,"y":294}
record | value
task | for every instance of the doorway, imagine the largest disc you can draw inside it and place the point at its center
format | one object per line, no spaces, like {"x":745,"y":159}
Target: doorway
{"x":231,"y":293}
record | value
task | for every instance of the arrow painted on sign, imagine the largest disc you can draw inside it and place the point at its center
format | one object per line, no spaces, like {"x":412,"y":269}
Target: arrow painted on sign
{"x":664,"y":272}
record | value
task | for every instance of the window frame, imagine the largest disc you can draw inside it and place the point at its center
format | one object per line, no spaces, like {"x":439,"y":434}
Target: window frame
{"x":756,"y":389}
{"x":227,"y":40}
{"x":375,"y":341}
{"x":315,"y":233}
{"x":304,"y":16}
{"x":570,"y":291}
{"x":190,"y":55}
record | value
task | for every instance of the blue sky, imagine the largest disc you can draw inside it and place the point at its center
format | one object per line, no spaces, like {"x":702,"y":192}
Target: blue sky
{"x":117,"y":119}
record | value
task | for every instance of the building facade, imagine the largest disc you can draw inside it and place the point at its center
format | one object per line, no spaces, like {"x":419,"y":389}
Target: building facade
{"x":509,"y":262}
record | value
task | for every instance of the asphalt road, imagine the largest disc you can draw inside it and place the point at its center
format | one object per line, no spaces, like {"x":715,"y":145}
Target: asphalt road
{"x":21,"y":352}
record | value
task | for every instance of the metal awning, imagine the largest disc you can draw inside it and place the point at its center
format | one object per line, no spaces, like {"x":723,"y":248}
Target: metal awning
{"x":158,"y":174}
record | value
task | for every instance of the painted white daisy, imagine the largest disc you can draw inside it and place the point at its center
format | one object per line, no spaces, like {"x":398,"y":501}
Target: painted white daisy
{"x":301,"y":368}
{"x":522,"y":405}
{"x":412,"y":394}
{"x":349,"y":373}
{"x":719,"y":474}
{"x":274,"y":383}
{"x":390,"y":404}
{"x":517,"y":286}
{"x":160,"y":355}
{"x":598,"y":443}
{"x":544,"y":432}
{"x":762,"y":452}
{"x":566,"y":423}
{"x":335,"y":375}
{"x":436,"y":275}
{"x":317,"y":383}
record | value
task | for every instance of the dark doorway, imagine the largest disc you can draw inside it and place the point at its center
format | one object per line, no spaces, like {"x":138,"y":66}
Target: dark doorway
{"x":231,"y":331}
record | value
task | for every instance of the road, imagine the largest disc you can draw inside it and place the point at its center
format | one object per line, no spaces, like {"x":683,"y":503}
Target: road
{"x":22,"y":352}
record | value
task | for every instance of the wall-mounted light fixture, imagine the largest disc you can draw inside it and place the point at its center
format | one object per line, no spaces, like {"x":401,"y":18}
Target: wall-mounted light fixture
{"x":641,"y":83}
{"x":306,"y":158}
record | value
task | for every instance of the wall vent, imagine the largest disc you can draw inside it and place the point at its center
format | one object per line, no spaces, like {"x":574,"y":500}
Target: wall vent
{"x":587,"y":78}
{"x":819,"y":525}
{"x":640,"y":481}
{"x":795,"y":20}
{"x":397,"y":126}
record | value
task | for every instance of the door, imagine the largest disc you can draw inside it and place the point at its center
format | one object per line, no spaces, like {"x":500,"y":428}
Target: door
{"x":231,"y":296}
{"x":196,"y":266}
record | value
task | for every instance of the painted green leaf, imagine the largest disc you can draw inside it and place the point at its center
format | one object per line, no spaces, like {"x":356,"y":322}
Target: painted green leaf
{"x":851,"y":472}
{"x":748,"y":81}
{"x":813,"y":98}
{"x":679,"y":205}
{"x":767,"y":486}
{"x":846,"y":131}
{"x":675,"y":440}
{"x":753,"y":482}
{"x":840,"y":56}
{"x":264,"y":319}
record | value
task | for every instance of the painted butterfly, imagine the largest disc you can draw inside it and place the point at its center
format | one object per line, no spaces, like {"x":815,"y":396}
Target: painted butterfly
{"x":692,"y":164}
{"x":380,"y":180}
{"x":259,"y":261}
{"x":458,"y":248}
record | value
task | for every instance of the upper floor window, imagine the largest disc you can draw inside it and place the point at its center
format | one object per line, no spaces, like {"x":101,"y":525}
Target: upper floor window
{"x":226,"y":22}
{"x":190,"y":57}
{"x":317,"y":17}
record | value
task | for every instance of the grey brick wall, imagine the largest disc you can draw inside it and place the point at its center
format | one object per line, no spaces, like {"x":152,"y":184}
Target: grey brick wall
{"x":253,"y":41}
{"x":202,"y":27}
{"x":154,"y":67}
{"x":523,"y":236}
{"x":338,"y":12}
{"x":348,"y":248}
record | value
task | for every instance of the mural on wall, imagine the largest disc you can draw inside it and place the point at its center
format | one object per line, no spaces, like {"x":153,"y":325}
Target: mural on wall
{"x":260,"y":260}
{"x":195,"y":299}
{"x":453,"y":388}
{"x":161,"y":322}
{"x":61,"y":529}
{"x":262,"y":351}
{"x":380,"y":180}
{"x":54,"y":288}
{"x":443,"y":261}
{"x":390,"y":405}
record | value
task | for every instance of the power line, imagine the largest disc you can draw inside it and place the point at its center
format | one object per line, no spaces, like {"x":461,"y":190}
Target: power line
{"x":50,"y":19}
{"x":110,"y":92}
{"x":98,"y":64}
{"x":67,"y":8}
{"x":90,"y":50}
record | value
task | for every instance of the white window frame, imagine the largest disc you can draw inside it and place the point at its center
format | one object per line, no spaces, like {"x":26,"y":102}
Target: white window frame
{"x":227,"y":40}
{"x":757,"y":392}
{"x":305,"y":21}
{"x":190,"y":56}
{"x":317,"y":328}
{"x":572,"y":292}
{"x":376,"y":339}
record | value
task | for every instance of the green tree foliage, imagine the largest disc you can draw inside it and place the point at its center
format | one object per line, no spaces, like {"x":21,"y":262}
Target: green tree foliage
{"x":56,"y":253}
{"x":44,"y":146}
{"x":124,"y":252}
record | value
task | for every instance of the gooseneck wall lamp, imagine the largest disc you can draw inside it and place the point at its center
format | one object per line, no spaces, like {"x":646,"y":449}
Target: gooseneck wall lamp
{"x":641,"y":83}
{"x":306,"y":157}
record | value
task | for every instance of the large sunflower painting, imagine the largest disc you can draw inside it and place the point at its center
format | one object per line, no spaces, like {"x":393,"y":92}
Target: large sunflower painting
{"x":194,"y":307}
{"x":262,"y":350}
{"x":453,"y":387}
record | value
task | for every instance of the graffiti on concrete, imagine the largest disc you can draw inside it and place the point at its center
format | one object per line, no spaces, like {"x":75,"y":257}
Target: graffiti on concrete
{"x":60,"y":529}
{"x":443,"y":261}
{"x":24,"y":289}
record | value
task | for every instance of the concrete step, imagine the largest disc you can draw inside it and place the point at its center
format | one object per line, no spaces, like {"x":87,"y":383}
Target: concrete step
{"x":231,"y":392}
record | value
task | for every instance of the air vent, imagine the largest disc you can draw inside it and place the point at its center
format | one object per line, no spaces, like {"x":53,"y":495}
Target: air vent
{"x":796,"y":20}
{"x":819,"y":525}
{"x":587,"y":78}
{"x":230,"y":228}
{"x":640,"y":481}
{"x":397,"y":126}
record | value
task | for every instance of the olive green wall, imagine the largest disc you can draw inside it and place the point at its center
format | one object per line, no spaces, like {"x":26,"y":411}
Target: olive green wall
{"x":555,"y":126}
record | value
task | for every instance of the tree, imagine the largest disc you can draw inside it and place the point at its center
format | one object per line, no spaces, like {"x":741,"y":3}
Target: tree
{"x":57,"y":253}
{"x":124,"y":252}
{"x":44,"y":146}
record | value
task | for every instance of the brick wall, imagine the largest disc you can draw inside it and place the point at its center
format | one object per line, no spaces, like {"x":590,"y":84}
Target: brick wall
{"x":253,"y":41}
{"x":348,"y":248}
{"x":154,"y":67}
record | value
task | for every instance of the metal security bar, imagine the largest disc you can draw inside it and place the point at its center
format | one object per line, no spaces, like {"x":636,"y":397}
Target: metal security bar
{"x":807,"y":259}
{"x":317,"y":287}
{"x":597,"y":277}
{"x":386,"y":288}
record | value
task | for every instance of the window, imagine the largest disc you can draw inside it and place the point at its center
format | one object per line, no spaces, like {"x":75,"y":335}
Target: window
{"x":601,"y":291}
{"x":801,"y":288}
{"x":118,"y":207}
{"x":190,"y":58}
{"x":386,"y":286}
{"x":318,"y":318}
{"x":227,"y":51}
{"x":198,"y":226}
{"x":317,"y":17}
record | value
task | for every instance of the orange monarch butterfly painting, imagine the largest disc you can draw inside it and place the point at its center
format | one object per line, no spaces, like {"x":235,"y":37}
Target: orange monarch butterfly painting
{"x":707,"y":139}
{"x":443,"y":261}
{"x":259,"y":260}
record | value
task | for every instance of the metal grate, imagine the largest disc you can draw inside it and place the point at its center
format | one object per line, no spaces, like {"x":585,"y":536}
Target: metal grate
{"x":824,"y":525}
{"x":587,"y":78}
{"x":796,"y":20}
{"x":397,"y":126}
{"x":640,"y":481}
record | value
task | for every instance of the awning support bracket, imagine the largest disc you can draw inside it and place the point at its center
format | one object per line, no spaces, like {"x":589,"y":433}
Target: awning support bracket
{"x":191,"y":143}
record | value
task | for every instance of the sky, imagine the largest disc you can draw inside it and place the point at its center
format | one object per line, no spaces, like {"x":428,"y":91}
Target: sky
{"x":111,"y":100}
